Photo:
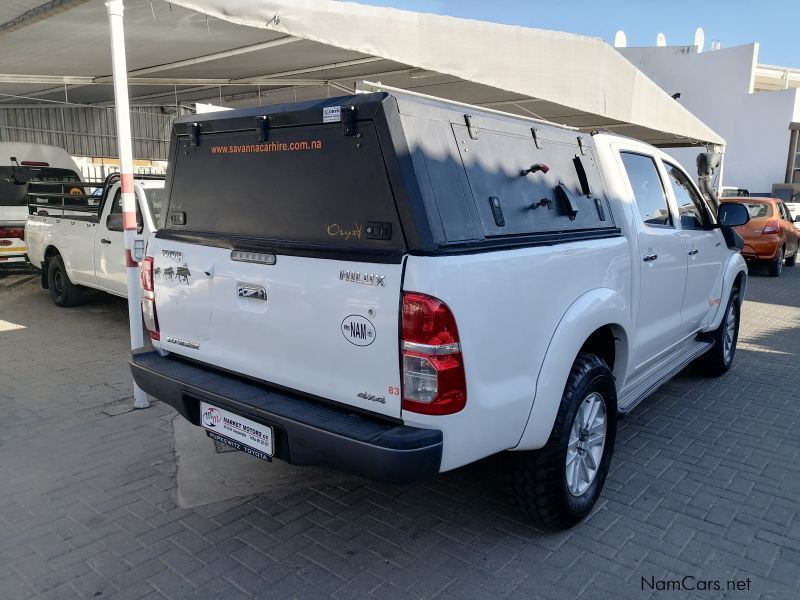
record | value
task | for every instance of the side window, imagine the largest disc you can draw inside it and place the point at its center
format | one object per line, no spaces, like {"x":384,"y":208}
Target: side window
{"x":116,"y":205}
{"x":648,"y":189}
{"x":786,"y":212}
{"x":691,"y":207}
{"x":116,"y":208}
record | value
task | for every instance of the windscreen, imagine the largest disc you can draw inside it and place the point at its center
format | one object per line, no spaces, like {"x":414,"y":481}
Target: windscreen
{"x":14,"y":193}
{"x":308,"y":184}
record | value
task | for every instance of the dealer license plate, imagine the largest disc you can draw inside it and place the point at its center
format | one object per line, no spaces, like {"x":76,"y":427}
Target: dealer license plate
{"x":235,"y":431}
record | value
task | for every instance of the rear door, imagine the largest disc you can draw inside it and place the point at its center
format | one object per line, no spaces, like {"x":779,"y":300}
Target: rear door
{"x":281,"y":260}
{"x":661,"y":258}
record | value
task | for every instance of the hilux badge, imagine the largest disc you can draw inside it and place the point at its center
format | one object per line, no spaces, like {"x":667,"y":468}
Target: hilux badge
{"x":365,"y":278}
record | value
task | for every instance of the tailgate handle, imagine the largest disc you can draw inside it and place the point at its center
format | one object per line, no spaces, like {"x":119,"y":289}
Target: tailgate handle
{"x":248,"y":290}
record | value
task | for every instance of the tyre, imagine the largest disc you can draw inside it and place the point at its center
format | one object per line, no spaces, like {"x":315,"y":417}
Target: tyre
{"x":776,"y":266}
{"x":559,"y":484}
{"x":790,"y":261}
{"x":62,"y":290}
{"x":719,"y":359}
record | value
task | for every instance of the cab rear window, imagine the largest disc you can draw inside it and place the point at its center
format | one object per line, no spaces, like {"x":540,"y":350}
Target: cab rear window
{"x":13,"y":193}
{"x":758,"y":210}
{"x":309,"y":185}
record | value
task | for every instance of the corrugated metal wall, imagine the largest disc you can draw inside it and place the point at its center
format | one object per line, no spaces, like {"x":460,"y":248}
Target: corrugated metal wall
{"x":88,"y":130}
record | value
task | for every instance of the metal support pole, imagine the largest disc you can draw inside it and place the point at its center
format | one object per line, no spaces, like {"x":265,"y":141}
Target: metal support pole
{"x":125,"y":151}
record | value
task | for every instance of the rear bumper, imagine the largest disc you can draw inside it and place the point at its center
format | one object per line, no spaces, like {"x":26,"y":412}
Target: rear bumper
{"x":764,"y":248}
{"x":306,"y":432}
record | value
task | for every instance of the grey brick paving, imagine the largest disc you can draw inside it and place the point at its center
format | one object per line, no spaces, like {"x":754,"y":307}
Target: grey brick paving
{"x":705,"y":482}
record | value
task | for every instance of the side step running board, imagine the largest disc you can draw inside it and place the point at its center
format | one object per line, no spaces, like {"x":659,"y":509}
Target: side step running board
{"x":629,"y":399}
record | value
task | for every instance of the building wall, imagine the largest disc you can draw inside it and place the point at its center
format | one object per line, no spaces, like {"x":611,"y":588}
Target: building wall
{"x":717,"y":87}
{"x":87,"y":130}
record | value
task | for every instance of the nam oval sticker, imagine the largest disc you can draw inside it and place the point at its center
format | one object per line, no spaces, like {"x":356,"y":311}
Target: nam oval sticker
{"x":358,"y":330}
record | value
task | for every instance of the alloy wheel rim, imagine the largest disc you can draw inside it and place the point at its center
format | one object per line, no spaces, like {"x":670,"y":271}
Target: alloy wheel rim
{"x":780,"y":261}
{"x":730,"y":332}
{"x":587,"y":440}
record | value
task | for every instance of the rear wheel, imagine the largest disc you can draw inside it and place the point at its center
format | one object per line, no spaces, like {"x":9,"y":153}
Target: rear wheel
{"x":776,"y":266}
{"x":719,"y":359}
{"x":791,"y":260}
{"x":558,"y":485}
{"x":62,"y":290}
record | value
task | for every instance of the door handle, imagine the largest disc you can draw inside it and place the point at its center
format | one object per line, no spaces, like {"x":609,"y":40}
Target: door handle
{"x":650,"y":257}
{"x":105,"y":241}
{"x":693,"y":252}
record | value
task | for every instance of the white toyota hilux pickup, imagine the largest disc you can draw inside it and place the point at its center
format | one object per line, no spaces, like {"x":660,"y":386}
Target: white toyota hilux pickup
{"x":80,"y":244}
{"x":397,"y":286}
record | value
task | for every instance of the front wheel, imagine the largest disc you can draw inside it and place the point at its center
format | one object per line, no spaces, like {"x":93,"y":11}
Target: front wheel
{"x":719,"y":359}
{"x":62,"y":290}
{"x":558,"y":485}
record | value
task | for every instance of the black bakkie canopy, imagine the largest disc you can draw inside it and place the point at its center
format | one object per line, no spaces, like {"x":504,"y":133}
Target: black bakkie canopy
{"x":377,"y":176}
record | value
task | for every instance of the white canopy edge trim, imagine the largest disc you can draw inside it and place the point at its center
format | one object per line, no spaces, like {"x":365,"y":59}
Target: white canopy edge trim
{"x":372,"y":86}
{"x":570,"y":70}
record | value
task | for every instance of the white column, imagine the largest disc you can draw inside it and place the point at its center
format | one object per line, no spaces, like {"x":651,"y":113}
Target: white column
{"x":125,"y":151}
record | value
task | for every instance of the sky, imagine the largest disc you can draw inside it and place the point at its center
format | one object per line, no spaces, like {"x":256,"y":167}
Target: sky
{"x":775,"y":25}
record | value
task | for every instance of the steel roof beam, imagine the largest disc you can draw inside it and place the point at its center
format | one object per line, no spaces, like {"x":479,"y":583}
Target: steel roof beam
{"x":206,"y":58}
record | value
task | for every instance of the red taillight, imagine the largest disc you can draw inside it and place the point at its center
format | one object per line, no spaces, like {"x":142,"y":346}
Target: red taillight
{"x":34,"y":163}
{"x":433,"y":367}
{"x":12,"y":232}
{"x":146,"y":274}
{"x":772,"y":227}
{"x":149,"y":298}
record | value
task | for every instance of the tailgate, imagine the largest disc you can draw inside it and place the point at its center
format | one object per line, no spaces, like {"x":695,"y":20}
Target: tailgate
{"x":281,"y":260}
{"x":307,"y":324}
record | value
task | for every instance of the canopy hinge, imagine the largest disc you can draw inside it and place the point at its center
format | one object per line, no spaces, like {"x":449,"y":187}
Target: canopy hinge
{"x":581,"y":146}
{"x":471,"y":126}
{"x":262,"y":127}
{"x":349,"y":120}
{"x":536,"y":139}
{"x":194,"y":134}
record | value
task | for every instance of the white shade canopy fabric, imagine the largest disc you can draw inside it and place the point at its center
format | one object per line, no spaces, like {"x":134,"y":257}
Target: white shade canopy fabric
{"x":246,"y":52}
{"x":566,"y":78}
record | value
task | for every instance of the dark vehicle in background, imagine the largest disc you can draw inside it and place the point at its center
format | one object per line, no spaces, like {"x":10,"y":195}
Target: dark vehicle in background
{"x":770,"y":237}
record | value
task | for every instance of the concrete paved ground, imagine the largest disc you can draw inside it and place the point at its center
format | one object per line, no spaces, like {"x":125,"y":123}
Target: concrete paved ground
{"x":704,"y":483}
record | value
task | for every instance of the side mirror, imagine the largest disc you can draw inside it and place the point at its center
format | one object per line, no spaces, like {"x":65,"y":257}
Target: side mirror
{"x":114,"y":222}
{"x":732,"y":214}
{"x":796,"y":219}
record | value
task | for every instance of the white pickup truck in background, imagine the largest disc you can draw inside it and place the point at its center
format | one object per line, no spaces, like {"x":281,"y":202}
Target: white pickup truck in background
{"x":81,"y":244}
{"x":412,"y":285}
{"x":22,"y":165}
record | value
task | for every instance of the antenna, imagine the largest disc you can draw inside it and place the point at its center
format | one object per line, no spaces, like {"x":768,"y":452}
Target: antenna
{"x":620,"y":40}
{"x":699,"y":39}
{"x":661,"y":40}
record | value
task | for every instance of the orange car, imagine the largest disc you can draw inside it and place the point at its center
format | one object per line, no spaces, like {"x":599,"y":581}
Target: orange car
{"x":770,"y":236}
